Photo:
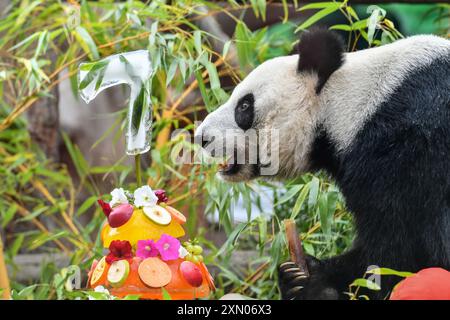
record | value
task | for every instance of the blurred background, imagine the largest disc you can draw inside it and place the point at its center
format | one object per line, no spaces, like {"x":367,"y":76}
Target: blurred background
{"x":59,"y":155}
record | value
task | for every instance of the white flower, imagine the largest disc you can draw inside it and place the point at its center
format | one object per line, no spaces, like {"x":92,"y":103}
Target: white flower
{"x":145,"y":197}
{"x":100,"y":289}
{"x":182,"y":252}
{"x":118,"y":197}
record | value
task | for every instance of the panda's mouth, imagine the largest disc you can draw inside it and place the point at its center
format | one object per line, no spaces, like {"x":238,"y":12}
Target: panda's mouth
{"x":229,"y":166}
{"x":229,"y":169}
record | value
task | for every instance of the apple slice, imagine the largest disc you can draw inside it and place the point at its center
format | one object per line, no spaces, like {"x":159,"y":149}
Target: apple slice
{"x":191,"y":273}
{"x":118,"y":273}
{"x":98,"y":272}
{"x":154,"y":272}
{"x":158,"y":215}
{"x":176,"y":215}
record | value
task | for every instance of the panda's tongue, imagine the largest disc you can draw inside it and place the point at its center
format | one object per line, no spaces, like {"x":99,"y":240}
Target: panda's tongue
{"x":226,"y":166}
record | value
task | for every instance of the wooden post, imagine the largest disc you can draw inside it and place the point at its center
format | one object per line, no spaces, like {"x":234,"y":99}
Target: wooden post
{"x":4,"y":281}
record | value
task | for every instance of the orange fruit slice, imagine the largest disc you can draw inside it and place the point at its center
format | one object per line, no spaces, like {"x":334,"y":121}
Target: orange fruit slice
{"x":209,"y":278}
{"x":154,"y":272}
{"x":176,"y":215}
{"x":99,"y":273}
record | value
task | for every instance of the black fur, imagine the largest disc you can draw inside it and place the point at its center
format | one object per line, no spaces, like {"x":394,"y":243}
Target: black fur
{"x":320,"y":51}
{"x":323,"y":153}
{"x":244,"y":112}
{"x":396,"y":180}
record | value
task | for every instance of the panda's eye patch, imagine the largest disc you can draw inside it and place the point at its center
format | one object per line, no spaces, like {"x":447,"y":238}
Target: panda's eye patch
{"x":244,"y":112}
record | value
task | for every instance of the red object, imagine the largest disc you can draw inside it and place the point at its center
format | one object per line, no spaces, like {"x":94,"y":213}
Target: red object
{"x":161,"y":194}
{"x":120,"y":215}
{"x":191,"y":273}
{"x":427,"y":284}
{"x":105,"y":207}
{"x":119,"y":250}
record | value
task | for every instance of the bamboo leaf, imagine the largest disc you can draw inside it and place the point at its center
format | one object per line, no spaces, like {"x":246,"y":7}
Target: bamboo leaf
{"x":390,"y":272}
{"x":318,"y":16}
{"x":300,"y":200}
{"x":86,"y":42}
{"x":365,"y":283}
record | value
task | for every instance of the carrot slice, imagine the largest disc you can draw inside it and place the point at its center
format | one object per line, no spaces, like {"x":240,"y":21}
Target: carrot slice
{"x":176,"y":215}
{"x":154,"y":272}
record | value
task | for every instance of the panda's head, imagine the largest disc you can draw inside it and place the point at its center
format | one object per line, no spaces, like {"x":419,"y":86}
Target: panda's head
{"x":267,"y":126}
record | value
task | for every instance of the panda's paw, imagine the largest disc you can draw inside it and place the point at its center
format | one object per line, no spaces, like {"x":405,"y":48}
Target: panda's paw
{"x":295,"y":285}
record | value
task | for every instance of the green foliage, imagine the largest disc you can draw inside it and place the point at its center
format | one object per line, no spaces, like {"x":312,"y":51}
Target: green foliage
{"x":42,"y":38}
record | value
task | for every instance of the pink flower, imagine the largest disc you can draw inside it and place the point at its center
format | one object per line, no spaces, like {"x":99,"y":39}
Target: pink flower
{"x":146,"y":249}
{"x":168,"y":247}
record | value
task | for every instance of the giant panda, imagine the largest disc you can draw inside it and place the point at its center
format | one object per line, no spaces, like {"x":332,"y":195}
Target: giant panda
{"x":378,"y":121}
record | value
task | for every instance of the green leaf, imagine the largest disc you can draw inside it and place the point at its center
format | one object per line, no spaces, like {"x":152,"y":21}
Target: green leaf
{"x":366,"y":284}
{"x":300,"y":200}
{"x":26,"y":42}
{"x":290,"y":193}
{"x":202,"y":88}
{"x":376,"y":14}
{"x":8,"y":215}
{"x":232,"y":237}
{"x":171,"y":72}
{"x":343,"y":27}
{"x":198,"y":41}
{"x":165,"y":294}
{"x":153,"y":32}
{"x":44,"y":238}
{"x":314,"y":191}
{"x":323,"y":213}
{"x":96,"y":69}
{"x":321,"y":5}
{"x":132,"y":296}
{"x":318,"y":16}
{"x":213,"y":76}
{"x":86,"y":205}
{"x":390,"y":272}
{"x":86,"y":42}
{"x":17,"y":244}
{"x":243,"y":45}
{"x":42,"y":43}
{"x":33,"y":215}
{"x":226,"y":48}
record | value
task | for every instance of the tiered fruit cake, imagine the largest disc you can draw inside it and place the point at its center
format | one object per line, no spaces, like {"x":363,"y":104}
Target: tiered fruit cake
{"x":145,"y":254}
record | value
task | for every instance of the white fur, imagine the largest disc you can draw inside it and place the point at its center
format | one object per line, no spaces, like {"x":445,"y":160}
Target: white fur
{"x":367,"y":78}
{"x":286,"y":100}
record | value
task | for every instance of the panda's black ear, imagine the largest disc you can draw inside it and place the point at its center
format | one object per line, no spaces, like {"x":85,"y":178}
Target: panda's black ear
{"x":320,"y":51}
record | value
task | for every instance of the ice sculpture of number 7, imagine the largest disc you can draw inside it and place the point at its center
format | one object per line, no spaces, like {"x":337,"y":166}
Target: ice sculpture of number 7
{"x":134,"y":69}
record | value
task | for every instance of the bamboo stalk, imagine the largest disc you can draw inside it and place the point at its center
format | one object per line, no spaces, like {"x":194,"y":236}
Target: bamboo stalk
{"x":4,"y":281}
{"x":137,"y":162}
{"x":295,"y":246}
